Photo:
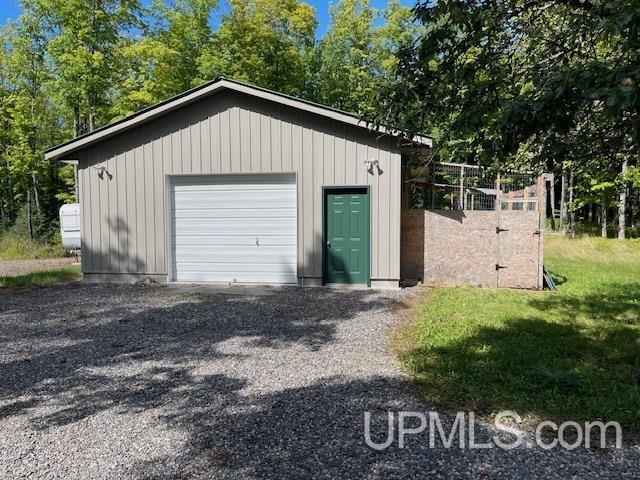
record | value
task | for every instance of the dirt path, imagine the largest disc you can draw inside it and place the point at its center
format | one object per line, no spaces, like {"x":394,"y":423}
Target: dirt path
{"x":14,"y":268}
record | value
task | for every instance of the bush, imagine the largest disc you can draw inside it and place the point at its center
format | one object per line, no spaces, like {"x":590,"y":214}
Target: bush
{"x":15,"y":243}
{"x":44,"y":231}
{"x":17,"y":247}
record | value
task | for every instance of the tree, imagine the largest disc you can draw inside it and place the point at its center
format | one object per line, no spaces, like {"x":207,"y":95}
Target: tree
{"x":164,"y":61}
{"x":6,"y":189}
{"x":265,"y":42}
{"x":523,"y":83}
{"x":358,"y":53}
{"x":512,"y":72}
{"x":85,"y":35}
{"x":31,"y":117}
{"x":622,"y":206}
{"x":346,"y":63}
{"x":398,"y":30}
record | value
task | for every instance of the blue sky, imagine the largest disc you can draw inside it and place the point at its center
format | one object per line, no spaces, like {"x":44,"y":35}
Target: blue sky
{"x":10,"y":9}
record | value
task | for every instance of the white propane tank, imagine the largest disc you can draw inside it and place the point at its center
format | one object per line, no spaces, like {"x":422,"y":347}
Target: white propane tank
{"x":70,"y":226}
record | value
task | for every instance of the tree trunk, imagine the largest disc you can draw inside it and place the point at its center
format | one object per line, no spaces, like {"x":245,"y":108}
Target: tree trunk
{"x":75,"y":182}
{"x":622,"y":207}
{"x":564,"y":219}
{"x":90,"y":116}
{"x":604,"y":217}
{"x":552,"y":192}
{"x":29,"y":219}
{"x":36,"y":195}
{"x":76,"y":122}
{"x":91,"y":121}
{"x":10,"y":204}
{"x":571,"y":214}
{"x":633,"y":200}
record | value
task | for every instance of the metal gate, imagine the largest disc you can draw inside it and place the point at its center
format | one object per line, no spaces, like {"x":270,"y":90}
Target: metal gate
{"x":519,"y":250}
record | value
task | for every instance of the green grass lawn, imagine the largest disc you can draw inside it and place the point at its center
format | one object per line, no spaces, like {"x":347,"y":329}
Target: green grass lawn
{"x":573,"y":354}
{"x":44,"y":278}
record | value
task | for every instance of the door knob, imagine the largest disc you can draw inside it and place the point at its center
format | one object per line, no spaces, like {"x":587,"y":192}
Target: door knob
{"x":328,"y":243}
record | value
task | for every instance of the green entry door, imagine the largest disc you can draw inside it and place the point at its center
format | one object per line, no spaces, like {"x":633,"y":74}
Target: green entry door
{"x":346,"y":235}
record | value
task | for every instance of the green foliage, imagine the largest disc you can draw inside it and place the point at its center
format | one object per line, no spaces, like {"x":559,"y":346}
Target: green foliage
{"x":523,"y":82}
{"x":30,"y":121}
{"x":66,"y":177}
{"x":632,"y":177}
{"x":83,"y":52}
{"x":164,"y":61}
{"x":18,"y":247}
{"x":572,"y":354}
{"x":16,"y":242}
{"x":345,"y":57}
{"x":355,"y":56}
{"x":263,"y":42}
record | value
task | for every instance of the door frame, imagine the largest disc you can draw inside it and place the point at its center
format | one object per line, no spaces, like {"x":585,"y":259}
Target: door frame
{"x":366,"y":189}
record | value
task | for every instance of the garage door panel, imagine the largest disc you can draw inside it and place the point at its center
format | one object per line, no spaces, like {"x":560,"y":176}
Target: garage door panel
{"x":230,"y":212}
{"x":240,"y":255}
{"x":249,"y":227}
{"x":234,"y":229}
{"x":200,"y":267}
{"x":236,"y":240}
{"x":253,"y":277}
{"x":249,"y":191}
{"x":246,"y":199}
{"x":230,"y":182}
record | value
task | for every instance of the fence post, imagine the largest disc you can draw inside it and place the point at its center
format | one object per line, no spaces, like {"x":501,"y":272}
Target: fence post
{"x":498,"y":200}
{"x":542,"y":201}
{"x":461,"y":201}
{"x":433,"y":185}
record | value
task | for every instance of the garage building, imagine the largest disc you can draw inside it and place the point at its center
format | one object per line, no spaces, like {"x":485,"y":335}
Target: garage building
{"x":232,"y":183}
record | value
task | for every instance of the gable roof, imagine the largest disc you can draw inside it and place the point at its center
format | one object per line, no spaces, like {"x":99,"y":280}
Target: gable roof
{"x":79,"y":143}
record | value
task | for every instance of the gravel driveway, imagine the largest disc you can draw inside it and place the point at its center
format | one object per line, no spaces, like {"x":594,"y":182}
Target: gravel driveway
{"x":101,"y":381}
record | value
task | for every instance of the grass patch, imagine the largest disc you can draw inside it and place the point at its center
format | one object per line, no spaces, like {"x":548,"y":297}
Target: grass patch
{"x":18,"y":247}
{"x":44,"y":278}
{"x":573,"y":354}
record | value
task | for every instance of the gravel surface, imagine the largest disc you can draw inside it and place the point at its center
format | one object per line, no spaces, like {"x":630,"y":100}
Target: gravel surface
{"x":103,"y":381}
{"x":13,"y":268}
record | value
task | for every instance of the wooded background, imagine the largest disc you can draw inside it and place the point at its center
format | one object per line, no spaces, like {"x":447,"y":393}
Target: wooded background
{"x":545,"y":86}
{"x":69,"y":66}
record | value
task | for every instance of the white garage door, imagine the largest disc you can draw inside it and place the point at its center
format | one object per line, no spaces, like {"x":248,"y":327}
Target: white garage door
{"x":234,"y":228}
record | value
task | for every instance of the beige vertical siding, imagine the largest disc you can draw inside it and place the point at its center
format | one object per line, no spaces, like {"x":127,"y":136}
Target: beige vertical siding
{"x":123,"y":214}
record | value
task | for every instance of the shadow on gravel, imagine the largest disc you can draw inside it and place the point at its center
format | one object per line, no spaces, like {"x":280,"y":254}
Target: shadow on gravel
{"x":84,"y":333}
{"x":310,"y":432}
